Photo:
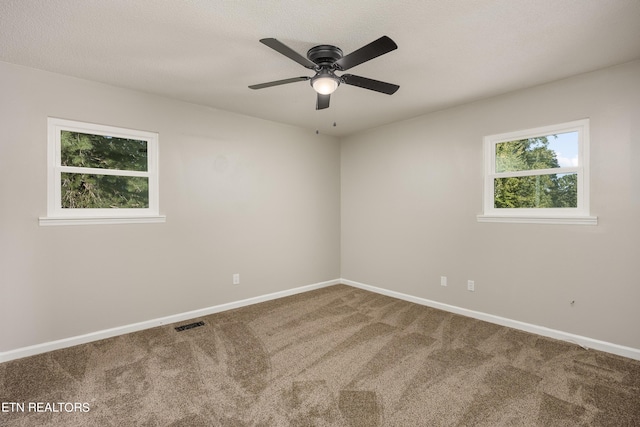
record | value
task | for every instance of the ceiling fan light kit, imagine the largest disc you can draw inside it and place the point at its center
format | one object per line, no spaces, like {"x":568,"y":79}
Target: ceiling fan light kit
{"x":325,"y":82}
{"x":325,"y":60}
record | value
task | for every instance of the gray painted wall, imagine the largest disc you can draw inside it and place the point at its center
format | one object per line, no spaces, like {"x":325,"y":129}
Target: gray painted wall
{"x":411,"y":192}
{"x":393,"y":207}
{"x":241,"y":195}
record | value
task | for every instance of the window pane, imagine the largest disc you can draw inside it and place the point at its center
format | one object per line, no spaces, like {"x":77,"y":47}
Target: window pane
{"x":540,"y":191}
{"x":543,"y":152}
{"x":104,"y":191}
{"x":104,"y":152}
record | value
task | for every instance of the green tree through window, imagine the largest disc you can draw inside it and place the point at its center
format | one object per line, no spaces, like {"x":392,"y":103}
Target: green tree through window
{"x":546,"y":190}
{"x":95,"y":190}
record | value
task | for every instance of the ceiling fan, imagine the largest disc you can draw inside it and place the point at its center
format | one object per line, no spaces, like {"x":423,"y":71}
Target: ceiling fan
{"x":325,"y":60}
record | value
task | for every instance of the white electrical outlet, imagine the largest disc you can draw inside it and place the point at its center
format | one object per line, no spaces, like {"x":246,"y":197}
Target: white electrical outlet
{"x":443,"y":280}
{"x":471,"y":285}
{"x":236,"y":279}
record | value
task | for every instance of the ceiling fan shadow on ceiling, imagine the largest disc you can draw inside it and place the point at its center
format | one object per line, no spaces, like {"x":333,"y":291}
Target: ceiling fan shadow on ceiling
{"x":325,"y":60}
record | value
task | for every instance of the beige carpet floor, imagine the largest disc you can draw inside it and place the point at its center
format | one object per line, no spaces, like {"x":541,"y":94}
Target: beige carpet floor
{"x":337,"y":356}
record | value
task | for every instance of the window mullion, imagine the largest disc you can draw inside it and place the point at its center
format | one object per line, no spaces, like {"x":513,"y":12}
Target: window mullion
{"x":98,"y":171}
{"x":533,"y":172}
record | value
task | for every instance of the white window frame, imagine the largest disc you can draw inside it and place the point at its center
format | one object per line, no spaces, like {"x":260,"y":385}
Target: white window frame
{"x":57,"y":215}
{"x":579,"y":215}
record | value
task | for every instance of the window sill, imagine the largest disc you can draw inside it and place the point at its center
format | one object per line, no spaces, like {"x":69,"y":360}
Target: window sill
{"x":572,"y":220}
{"x":48,"y":221}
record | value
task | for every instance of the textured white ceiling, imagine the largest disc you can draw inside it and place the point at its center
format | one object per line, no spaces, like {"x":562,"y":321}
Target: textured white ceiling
{"x":207,"y":51}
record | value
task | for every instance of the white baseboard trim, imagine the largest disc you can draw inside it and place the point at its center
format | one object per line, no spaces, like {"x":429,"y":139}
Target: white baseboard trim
{"x":585,"y":342}
{"x":120,"y":330}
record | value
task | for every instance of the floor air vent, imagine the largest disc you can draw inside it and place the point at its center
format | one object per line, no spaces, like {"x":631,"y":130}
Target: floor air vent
{"x":189,"y":326}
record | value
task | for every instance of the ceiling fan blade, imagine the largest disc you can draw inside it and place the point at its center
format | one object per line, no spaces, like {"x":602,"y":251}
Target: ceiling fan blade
{"x":279,"y":82}
{"x":288,"y":52}
{"x":370,"y":84}
{"x":374,"y":49}
{"x":322,"y":102}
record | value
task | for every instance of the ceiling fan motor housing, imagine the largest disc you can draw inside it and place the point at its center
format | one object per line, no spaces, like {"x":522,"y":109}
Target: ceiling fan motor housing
{"x":324,"y":54}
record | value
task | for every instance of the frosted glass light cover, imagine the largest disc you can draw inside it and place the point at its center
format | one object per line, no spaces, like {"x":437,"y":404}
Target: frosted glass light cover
{"x":325,"y":85}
